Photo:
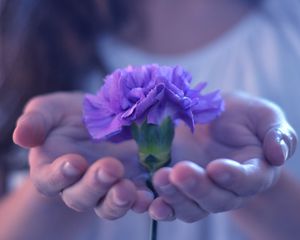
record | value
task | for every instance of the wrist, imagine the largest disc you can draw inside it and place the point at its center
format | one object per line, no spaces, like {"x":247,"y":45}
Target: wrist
{"x":32,"y":198}
{"x":35,"y":216}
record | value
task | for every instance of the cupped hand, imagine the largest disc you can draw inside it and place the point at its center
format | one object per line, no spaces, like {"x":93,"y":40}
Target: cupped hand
{"x":235,"y":157}
{"x":227,"y":162}
{"x":63,"y":159}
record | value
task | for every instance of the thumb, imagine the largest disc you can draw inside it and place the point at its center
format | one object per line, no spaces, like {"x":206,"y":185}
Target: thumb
{"x":42,"y":114}
{"x":279,"y":144}
{"x":279,"y":139}
{"x":31,"y":130}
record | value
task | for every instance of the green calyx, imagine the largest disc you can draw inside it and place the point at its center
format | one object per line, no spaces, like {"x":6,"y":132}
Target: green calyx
{"x":154,"y":142}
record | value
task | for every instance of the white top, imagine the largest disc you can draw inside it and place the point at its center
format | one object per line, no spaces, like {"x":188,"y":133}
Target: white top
{"x":260,"y":55}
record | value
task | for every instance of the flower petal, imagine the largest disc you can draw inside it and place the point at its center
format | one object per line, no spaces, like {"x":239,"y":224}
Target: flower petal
{"x":152,"y":93}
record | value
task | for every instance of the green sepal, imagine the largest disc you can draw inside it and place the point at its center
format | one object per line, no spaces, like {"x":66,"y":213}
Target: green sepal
{"x":154,"y":143}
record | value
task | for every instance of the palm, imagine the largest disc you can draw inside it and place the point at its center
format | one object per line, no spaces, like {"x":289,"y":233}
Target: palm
{"x":227,"y":137}
{"x":249,"y":129}
{"x":231,"y":136}
{"x":71,"y":136}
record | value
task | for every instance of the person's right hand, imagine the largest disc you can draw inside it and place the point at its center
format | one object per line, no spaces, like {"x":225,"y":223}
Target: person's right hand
{"x":63,"y":159}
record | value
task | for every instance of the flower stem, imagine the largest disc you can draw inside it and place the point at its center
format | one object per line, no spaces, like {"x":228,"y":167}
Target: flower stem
{"x":153,"y":230}
{"x":154,"y":223}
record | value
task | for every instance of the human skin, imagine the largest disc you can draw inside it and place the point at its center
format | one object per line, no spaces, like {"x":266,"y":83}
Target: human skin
{"x":57,"y":227}
{"x":216,"y":169}
{"x":47,"y":124}
{"x":274,"y":214}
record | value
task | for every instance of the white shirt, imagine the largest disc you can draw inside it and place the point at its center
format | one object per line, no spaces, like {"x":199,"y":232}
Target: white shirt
{"x":260,"y":55}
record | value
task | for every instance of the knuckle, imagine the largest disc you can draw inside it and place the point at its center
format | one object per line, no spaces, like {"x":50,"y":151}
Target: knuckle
{"x":45,"y":101}
{"x":55,"y":182}
{"x":41,"y":189}
{"x":34,"y":102}
{"x":41,"y":186}
{"x":37,"y":102}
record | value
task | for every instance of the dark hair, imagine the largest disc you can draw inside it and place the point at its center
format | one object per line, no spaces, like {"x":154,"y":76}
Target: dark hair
{"x":46,"y":46}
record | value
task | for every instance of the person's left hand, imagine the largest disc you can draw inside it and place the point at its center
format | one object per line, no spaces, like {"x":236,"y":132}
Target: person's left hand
{"x":229,"y":161}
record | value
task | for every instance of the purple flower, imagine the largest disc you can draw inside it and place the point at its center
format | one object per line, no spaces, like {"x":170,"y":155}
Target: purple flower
{"x":147,"y":93}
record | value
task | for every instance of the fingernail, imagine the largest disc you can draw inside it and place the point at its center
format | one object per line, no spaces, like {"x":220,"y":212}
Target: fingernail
{"x":119,"y":201}
{"x":284,"y":148}
{"x":162,"y":214}
{"x":224,"y":178}
{"x":70,"y":170}
{"x":105,"y":177}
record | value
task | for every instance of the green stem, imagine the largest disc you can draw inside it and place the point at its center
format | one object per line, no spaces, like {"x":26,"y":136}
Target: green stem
{"x":154,"y":223}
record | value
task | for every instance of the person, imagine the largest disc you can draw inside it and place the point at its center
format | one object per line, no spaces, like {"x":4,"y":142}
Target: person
{"x":227,"y":43}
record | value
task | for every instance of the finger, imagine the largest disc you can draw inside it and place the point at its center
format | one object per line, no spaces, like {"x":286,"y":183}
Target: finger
{"x":99,"y":178}
{"x":31,"y":130}
{"x":184,"y":208}
{"x":51,"y":178}
{"x":278,"y":137}
{"x":42,"y":114}
{"x":247,"y":179}
{"x":118,"y":200}
{"x":161,"y":211}
{"x":143,"y":201}
{"x":279,"y":144}
{"x":193,"y":181}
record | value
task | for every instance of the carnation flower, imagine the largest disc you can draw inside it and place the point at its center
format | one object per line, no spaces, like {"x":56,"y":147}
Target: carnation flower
{"x":144,"y":103}
{"x":150,"y":94}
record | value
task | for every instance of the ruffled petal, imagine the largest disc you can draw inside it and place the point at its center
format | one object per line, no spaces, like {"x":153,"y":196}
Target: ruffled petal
{"x":149,"y":92}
